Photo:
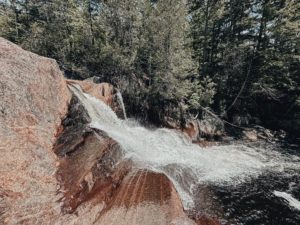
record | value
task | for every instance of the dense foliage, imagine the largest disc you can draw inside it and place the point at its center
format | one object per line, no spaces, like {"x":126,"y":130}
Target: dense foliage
{"x":172,"y":59}
{"x":251,"y":50}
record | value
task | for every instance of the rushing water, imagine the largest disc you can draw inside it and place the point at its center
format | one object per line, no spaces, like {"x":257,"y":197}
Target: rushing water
{"x":269,"y":199}
{"x":238,"y":174}
{"x":121,"y":103}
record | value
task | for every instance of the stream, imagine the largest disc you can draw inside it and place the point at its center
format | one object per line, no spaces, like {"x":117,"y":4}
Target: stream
{"x":249,"y":184}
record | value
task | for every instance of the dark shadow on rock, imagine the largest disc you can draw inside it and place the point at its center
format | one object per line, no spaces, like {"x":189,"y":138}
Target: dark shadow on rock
{"x":90,"y":163}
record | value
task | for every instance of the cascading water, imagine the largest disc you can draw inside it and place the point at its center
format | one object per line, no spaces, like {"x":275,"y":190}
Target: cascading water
{"x":186,"y":164}
{"x":121,"y":103}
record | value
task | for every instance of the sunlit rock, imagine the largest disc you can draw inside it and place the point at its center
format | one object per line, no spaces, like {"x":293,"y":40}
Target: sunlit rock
{"x":103,"y":91}
{"x":147,"y":198}
{"x":34,"y":100}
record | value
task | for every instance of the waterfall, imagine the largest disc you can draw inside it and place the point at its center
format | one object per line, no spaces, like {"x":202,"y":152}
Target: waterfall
{"x":121,"y":103}
{"x":186,"y":164}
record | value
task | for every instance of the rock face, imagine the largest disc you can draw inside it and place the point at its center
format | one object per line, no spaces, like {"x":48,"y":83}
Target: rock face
{"x":34,"y":99}
{"x":56,"y":169}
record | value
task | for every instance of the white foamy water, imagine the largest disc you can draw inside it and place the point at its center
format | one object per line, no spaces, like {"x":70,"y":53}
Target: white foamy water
{"x":289,"y":198}
{"x":121,"y":103}
{"x":186,"y":164}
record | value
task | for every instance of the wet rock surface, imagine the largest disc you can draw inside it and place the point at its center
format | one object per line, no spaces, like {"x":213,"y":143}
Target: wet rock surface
{"x":192,"y":130}
{"x":145,"y":197}
{"x":89,"y":161}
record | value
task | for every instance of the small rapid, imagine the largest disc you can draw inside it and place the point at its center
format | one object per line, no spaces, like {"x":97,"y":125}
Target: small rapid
{"x":186,"y":164}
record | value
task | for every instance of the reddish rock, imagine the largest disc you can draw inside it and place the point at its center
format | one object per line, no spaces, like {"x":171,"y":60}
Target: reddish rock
{"x":103,"y":91}
{"x":147,"y":198}
{"x":204,"y":220}
{"x":34,"y":99}
{"x":191,"y":129}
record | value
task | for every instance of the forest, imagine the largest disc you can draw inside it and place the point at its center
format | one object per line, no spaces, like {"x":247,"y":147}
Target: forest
{"x":173,"y":60}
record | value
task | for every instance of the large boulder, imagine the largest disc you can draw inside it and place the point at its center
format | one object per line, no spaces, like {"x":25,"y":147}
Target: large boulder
{"x":34,"y":99}
{"x":147,"y":198}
